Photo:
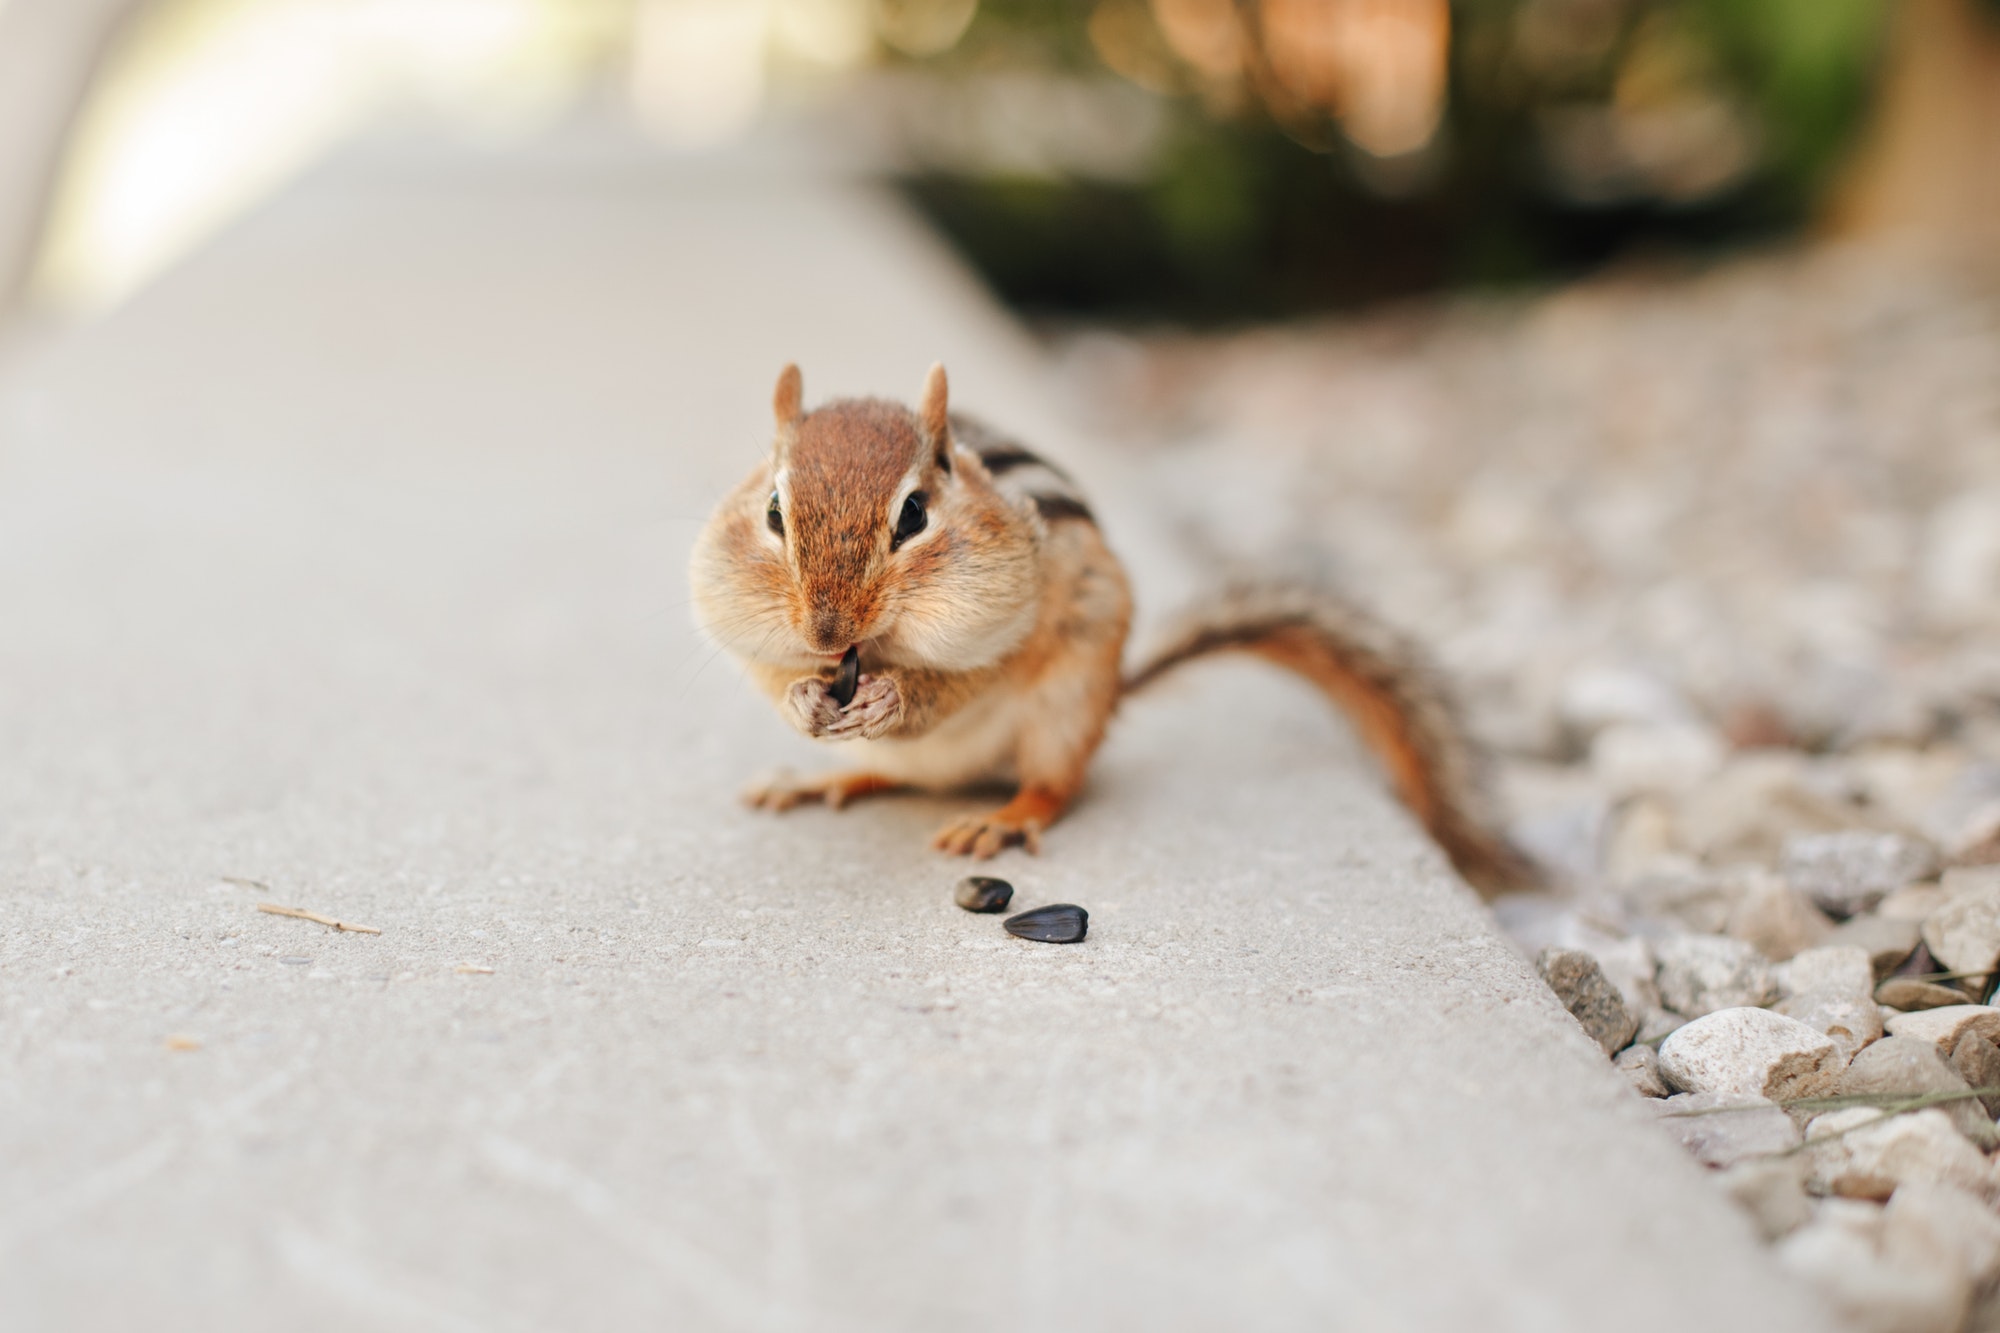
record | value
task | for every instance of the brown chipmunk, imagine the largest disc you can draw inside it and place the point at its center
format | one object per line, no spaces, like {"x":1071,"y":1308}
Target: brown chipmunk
{"x":968,"y":581}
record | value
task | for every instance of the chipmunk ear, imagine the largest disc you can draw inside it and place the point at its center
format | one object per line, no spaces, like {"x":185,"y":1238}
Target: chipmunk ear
{"x":934,"y":413}
{"x":785,"y":405}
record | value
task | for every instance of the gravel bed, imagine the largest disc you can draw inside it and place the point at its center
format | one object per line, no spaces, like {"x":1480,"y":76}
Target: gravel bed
{"x":1714,"y":556}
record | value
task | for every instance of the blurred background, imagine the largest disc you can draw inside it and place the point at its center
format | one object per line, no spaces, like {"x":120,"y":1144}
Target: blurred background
{"x":1199,"y":161}
{"x":1638,"y":356}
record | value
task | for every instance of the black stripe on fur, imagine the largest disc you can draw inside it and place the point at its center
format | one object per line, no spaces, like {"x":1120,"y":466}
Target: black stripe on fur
{"x":1054,"y":508}
{"x":1002,"y":458}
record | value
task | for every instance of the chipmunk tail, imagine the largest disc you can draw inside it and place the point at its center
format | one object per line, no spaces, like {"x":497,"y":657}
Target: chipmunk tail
{"x":1389,"y":693}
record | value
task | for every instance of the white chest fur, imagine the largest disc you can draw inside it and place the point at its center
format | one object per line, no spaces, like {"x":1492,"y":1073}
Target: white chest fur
{"x":975,"y":744}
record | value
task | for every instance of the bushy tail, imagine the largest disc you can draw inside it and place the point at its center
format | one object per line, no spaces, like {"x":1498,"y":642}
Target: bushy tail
{"x":1389,"y":693}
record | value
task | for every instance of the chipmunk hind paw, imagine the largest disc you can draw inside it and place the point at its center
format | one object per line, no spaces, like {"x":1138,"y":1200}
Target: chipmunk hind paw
{"x":1019,"y":823}
{"x":986,"y":836}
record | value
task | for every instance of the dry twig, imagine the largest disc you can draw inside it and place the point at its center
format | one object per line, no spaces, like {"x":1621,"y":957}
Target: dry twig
{"x":1891,"y":1104}
{"x":303,"y":915}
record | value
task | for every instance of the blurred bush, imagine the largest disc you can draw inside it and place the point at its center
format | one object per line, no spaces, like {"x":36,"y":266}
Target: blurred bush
{"x":1223,"y":159}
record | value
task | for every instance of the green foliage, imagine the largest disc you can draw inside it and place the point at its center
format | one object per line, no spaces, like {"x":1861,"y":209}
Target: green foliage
{"x":1806,"y":66}
{"x":1549,"y":160}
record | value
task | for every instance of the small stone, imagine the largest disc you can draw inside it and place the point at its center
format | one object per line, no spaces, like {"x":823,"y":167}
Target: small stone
{"x":1772,"y":1192}
{"x":1629,"y":965}
{"x":1977,"y":842}
{"x":1908,"y":995}
{"x":1970,"y":881}
{"x":294,"y":960}
{"x":1745,"y":812}
{"x":1677,"y":891}
{"x":1058,"y":923}
{"x":1641,"y":1064}
{"x":1942,"y":1027}
{"x":1964,"y":934}
{"x":1901,"y":1067}
{"x":1860,"y":1153}
{"x":1886,"y":942}
{"x":1921,"y":966}
{"x":1700,"y":974}
{"x":1977,"y":1061}
{"x":1871,"y":1294}
{"x":1724,"y":1128}
{"x":1906,"y":787}
{"x":1640,"y":839}
{"x":1533,"y":921}
{"x":1753,"y":1052}
{"x":1925,"y":1224}
{"x":1959,"y":567}
{"x":1632,"y":758}
{"x":1774,"y":918}
{"x":1851,"y":871}
{"x":1851,"y":1024}
{"x":1857,"y":1217}
{"x":1657,"y":1025}
{"x":1591,"y":999}
{"x":1832,"y":971}
{"x":1913,"y":902}
{"x":983,"y":893}
{"x":1985,"y":1316}
{"x":1568,"y":840}
{"x":1597,"y":697}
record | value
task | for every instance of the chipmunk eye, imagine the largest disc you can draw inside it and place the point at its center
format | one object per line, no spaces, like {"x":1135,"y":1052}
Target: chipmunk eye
{"x":911,"y":521}
{"x":774,"y":517}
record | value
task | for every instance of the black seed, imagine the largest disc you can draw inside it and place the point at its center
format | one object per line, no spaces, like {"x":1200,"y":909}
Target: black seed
{"x":1058,"y":923}
{"x":848,"y":677}
{"x":982,"y":893}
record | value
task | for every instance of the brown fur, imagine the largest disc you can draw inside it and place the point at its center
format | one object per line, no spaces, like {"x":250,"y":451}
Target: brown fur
{"x":991,"y":642}
{"x":1390,"y":696}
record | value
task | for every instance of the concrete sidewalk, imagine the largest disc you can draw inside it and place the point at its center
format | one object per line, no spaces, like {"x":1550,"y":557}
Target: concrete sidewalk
{"x":350,"y":560}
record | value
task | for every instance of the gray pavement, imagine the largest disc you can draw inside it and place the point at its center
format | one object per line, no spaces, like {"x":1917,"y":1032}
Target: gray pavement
{"x":349,"y":560}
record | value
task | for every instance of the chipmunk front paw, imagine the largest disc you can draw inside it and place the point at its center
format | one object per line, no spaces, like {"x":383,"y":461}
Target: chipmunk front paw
{"x":782,"y":790}
{"x":810,"y":707}
{"x":873,"y":713}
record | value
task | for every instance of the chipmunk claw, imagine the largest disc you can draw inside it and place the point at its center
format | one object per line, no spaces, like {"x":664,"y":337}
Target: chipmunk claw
{"x":809,"y":706}
{"x":779,"y":792}
{"x":783,"y":790}
{"x":985,"y":836}
{"x":873,"y":712}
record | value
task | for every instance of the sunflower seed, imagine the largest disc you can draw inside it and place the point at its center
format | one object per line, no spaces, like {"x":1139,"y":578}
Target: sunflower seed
{"x":982,"y":893}
{"x":1058,"y":923}
{"x":848,"y":677}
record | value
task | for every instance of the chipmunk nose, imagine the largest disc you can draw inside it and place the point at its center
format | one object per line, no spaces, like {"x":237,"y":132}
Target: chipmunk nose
{"x":831,"y":630}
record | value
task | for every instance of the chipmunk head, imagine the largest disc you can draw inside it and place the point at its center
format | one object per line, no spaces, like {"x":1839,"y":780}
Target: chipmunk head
{"x":867,"y":525}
